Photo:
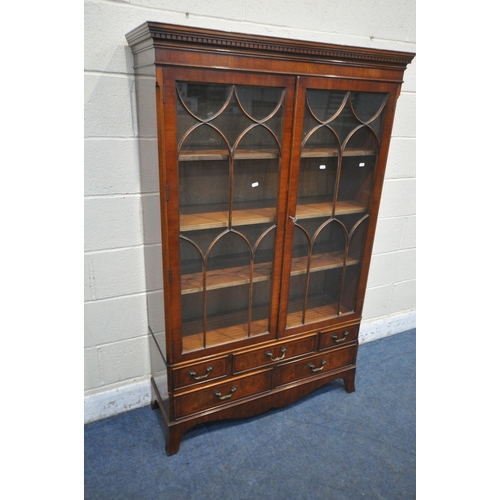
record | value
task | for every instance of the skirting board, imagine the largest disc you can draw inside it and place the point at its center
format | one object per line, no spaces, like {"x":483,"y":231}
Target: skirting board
{"x":137,"y":394}
{"x":388,"y":325}
{"x":119,"y":400}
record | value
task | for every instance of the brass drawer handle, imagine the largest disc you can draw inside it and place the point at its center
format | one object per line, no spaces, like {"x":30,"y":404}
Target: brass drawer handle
{"x":337,"y":340}
{"x":311,"y":366}
{"x":219,"y":395}
{"x":192,"y":373}
{"x":270,"y":354}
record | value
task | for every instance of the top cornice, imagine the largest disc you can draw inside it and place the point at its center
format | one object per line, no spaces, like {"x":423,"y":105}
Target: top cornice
{"x":173,"y":35}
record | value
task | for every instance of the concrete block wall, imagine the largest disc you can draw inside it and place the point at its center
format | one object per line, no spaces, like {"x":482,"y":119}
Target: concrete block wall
{"x":116,"y":193}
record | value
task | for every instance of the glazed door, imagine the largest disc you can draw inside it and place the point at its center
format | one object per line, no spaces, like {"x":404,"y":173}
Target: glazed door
{"x":227,"y":202}
{"x":340,"y":133}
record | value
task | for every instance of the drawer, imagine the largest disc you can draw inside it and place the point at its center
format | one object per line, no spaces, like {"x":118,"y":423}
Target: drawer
{"x":316,"y":365}
{"x":207,"y":398}
{"x":272,"y":354}
{"x":334,"y":338}
{"x":199,"y":372}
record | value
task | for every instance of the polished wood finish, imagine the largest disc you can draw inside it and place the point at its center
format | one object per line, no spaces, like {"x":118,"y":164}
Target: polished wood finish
{"x":277,"y":352}
{"x":343,"y":358}
{"x":271,"y":158}
{"x":197,"y":373}
{"x":333,"y":338}
{"x":208,"y":398}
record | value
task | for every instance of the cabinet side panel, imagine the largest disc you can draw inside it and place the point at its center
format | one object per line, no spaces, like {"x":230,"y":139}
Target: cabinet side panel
{"x":146,"y":131}
{"x":158,"y":364}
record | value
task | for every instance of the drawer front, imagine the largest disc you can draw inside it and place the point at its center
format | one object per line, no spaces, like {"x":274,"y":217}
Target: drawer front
{"x":316,"y":365}
{"x":272,"y":355}
{"x":199,"y":372}
{"x":335,"y":338}
{"x":220,"y":394}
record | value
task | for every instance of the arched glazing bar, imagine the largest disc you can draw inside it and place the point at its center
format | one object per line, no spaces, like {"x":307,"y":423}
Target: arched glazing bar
{"x":266,"y":118}
{"x":307,"y":268}
{"x":335,"y":114}
{"x":213,"y":115}
{"x":367,"y":112}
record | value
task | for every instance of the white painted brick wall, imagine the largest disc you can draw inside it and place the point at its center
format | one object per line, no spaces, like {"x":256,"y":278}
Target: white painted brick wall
{"x":117,"y":192}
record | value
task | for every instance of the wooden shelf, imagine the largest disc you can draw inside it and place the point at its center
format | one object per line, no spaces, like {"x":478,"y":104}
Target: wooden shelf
{"x":240,"y":275}
{"x":224,"y":329}
{"x":320,"y":262}
{"x":329,"y":152}
{"x":266,"y":154}
{"x":318,"y":309}
{"x":211,"y":220}
{"x":223,"y":278}
{"x":220,"y":219}
{"x":223,"y":154}
{"x":324,"y":209}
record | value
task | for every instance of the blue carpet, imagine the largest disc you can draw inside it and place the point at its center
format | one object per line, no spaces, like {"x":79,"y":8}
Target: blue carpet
{"x":329,"y":445}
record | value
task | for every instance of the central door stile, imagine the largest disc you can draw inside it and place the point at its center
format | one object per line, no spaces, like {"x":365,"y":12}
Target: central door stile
{"x":291,"y":194}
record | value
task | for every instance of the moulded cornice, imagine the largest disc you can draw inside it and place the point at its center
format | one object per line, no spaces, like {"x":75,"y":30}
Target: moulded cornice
{"x":171,"y":35}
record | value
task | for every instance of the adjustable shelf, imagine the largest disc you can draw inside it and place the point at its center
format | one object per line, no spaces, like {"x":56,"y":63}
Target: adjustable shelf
{"x":220,"y":219}
{"x":318,"y":308}
{"x":313,"y":210}
{"x":222,"y":154}
{"x":266,"y":154}
{"x":329,"y":152}
{"x":225,"y":328}
{"x":239,"y":275}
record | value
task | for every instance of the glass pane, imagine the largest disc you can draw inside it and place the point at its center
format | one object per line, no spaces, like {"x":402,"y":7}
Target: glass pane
{"x":298,"y":282}
{"x":227,"y":283}
{"x":229,"y":140}
{"x":324,"y":104}
{"x":357,"y":239}
{"x":259,"y":102}
{"x":232,"y":122}
{"x":324,"y":293}
{"x":263,"y":267}
{"x":357,"y":236}
{"x":356,"y":172}
{"x":202,"y":100}
{"x":329,"y":246}
{"x":345,"y":122}
{"x":350,"y":289}
{"x":203,"y":160}
{"x":192,"y":266}
{"x":192,"y":321}
{"x":296,"y":296}
{"x":256,"y":178}
{"x":317,"y":174}
{"x":227,"y":315}
{"x":369,"y":108}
